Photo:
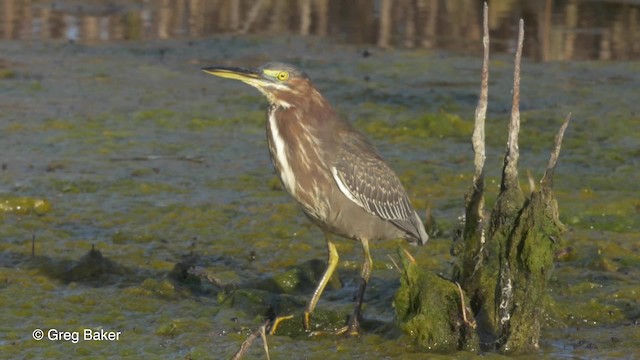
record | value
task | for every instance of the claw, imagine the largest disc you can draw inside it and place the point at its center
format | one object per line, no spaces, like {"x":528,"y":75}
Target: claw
{"x":276,"y":322}
{"x":350,"y":330}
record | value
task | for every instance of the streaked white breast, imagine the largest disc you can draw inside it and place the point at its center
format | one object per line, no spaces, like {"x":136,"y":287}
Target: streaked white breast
{"x":287,"y":175}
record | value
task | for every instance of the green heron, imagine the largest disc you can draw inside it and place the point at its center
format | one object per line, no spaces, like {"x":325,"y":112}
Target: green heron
{"x":336,"y":175}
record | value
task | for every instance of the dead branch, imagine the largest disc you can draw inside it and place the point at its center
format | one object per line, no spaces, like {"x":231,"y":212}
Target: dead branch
{"x":547,"y":179}
{"x":252,"y":15}
{"x":263,"y":335}
{"x":473,"y":233}
{"x":481,"y":110}
{"x":33,"y":245}
{"x":532,"y":183}
{"x":249,"y":341}
{"x":510,"y":172}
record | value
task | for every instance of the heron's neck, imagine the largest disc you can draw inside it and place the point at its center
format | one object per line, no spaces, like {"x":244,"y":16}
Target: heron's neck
{"x":274,"y":101}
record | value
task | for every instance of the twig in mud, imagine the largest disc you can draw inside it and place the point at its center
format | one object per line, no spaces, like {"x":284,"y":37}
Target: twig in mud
{"x":409,"y":256}
{"x":395,"y":264}
{"x":263,"y":335}
{"x":245,"y":345}
{"x":249,"y":341}
{"x":472,"y":323}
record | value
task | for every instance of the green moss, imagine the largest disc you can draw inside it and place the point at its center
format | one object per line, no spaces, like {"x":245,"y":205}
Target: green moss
{"x":35,"y":86}
{"x":249,"y":119}
{"x":7,"y":74}
{"x":154,"y":115}
{"x":299,"y":278}
{"x":167,"y":329}
{"x":24,"y":205}
{"x":78,"y":186}
{"x":57,"y":124}
{"x":163,"y":288}
{"x":428,"y":309}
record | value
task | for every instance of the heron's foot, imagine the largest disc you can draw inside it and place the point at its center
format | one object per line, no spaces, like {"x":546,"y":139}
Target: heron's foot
{"x":276,"y":322}
{"x":350,"y":330}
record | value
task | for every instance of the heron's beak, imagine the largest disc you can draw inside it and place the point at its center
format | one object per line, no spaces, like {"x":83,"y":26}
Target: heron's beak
{"x":246,"y":75}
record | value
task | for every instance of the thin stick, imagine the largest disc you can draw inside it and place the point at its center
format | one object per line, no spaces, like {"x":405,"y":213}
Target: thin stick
{"x":246,"y":344}
{"x":472,"y":323}
{"x":547,"y":179}
{"x":33,"y":245}
{"x":510,"y":172}
{"x":395,"y":264}
{"x":409,"y":256}
{"x":532,"y":183}
{"x":252,"y":15}
{"x":263,"y":334}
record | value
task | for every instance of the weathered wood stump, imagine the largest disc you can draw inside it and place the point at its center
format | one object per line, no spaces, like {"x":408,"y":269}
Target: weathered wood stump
{"x":506,"y":259}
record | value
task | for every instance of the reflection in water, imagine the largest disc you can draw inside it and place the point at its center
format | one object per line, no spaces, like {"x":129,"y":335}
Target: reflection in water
{"x":557,"y":30}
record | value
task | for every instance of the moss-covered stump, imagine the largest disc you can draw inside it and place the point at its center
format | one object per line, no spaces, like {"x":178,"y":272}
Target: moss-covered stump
{"x":531,"y":252}
{"x":517,"y":263}
{"x":505,"y":260}
{"x":429,"y":310}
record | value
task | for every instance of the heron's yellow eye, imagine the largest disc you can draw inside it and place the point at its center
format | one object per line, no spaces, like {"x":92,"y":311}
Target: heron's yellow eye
{"x":282,"y":75}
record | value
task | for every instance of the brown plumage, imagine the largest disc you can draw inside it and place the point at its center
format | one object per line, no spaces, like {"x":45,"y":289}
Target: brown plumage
{"x":337,"y":176}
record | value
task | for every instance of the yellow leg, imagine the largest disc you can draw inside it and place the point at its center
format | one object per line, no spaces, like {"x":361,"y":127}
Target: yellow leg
{"x":332,"y":263}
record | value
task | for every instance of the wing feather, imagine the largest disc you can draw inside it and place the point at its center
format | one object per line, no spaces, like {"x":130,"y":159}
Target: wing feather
{"x":364,"y":178}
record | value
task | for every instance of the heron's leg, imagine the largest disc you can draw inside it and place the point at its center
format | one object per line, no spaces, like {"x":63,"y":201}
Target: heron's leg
{"x":352,"y":328}
{"x":332,"y":263}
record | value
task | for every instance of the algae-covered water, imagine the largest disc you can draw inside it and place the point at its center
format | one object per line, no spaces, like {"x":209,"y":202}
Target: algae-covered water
{"x":129,"y":148}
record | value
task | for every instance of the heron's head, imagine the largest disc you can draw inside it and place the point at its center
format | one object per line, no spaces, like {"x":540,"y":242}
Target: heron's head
{"x":282,"y":84}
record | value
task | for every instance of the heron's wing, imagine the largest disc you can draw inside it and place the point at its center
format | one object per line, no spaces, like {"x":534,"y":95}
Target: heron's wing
{"x":368,"y":181}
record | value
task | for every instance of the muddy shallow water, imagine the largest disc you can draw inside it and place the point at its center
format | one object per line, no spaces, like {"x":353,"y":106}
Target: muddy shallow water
{"x":128,"y":147}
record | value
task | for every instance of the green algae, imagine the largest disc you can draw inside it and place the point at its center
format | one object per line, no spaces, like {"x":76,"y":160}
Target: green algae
{"x":75,"y":186}
{"x":162,"y":118}
{"x":7,"y":73}
{"x":24,"y":205}
{"x":203,"y":122}
{"x":422,"y":128}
